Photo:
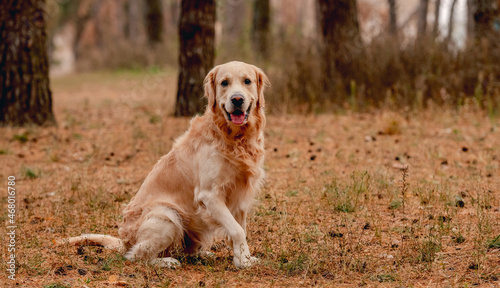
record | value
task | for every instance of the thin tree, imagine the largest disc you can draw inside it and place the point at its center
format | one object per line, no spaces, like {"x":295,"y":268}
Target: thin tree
{"x":422,"y":19}
{"x":173,"y":14}
{"x":471,"y":8}
{"x":196,"y":57}
{"x":24,"y":69}
{"x":393,"y":27}
{"x":233,"y":23}
{"x":261,"y":27}
{"x":135,"y":28}
{"x":339,"y":28}
{"x":437,"y":8}
{"x":450,"y":20}
{"x":154,"y":21}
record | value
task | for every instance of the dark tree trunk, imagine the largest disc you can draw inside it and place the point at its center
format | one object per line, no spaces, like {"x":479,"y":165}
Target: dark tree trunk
{"x":260,"y":27}
{"x":422,"y":19}
{"x":437,"y":8}
{"x":24,"y":69}
{"x":451,"y":19}
{"x":196,"y":57}
{"x":393,"y":27}
{"x":154,"y":21}
{"x":484,"y":17}
{"x":338,"y":21}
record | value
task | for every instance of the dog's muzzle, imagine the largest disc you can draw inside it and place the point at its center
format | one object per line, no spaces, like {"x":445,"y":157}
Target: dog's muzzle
{"x":239,"y":116}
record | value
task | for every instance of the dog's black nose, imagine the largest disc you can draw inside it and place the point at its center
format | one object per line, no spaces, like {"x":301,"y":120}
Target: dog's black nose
{"x":237,"y":100}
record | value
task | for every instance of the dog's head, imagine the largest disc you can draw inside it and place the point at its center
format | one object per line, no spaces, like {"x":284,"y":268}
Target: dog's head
{"x":235,"y":90}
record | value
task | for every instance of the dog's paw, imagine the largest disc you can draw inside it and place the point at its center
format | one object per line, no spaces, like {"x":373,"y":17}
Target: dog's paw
{"x":166,"y":262}
{"x":130,"y":256}
{"x":245,"y":262}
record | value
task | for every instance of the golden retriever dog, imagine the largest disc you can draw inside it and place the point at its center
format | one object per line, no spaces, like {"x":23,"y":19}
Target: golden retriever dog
{"x":205,"y":185}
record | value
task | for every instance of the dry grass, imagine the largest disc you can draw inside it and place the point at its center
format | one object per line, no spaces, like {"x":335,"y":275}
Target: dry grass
{"x":338,"y":209}
{"x":383,"y":74}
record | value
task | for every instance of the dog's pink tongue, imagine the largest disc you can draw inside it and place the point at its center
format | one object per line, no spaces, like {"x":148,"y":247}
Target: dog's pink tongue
{"x":238,"y":119}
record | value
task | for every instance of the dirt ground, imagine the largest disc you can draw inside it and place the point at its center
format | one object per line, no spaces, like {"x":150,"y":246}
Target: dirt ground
{"x":382,"y":199}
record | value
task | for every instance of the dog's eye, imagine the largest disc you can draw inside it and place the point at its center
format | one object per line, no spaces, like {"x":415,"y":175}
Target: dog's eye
{"x":247,"y":81}
{"x":224,"y":83}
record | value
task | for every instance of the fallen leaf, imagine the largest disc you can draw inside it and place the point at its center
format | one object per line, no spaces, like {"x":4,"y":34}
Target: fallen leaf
{"x":399,"y":166}
{"x":113,"y":278}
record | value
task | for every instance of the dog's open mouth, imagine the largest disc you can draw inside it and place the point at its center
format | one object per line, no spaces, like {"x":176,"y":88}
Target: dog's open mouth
{"x":239,"y":117}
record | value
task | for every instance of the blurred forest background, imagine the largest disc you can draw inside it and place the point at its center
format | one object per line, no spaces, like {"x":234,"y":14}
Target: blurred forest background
{"x":320,"y":55}
{"x":382,"y":136}
{"x":396,"y":53}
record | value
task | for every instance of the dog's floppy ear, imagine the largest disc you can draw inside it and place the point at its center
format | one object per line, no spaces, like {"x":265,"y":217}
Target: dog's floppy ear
{"x":262,"y":82}
{"x":209,"y":86}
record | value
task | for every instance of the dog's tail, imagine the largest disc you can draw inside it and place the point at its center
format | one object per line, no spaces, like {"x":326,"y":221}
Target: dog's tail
{"x":106,"y":241}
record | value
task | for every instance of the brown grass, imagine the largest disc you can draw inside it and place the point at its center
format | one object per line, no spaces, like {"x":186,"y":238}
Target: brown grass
{"x":383,"y":74}
{"x":335,"y":210}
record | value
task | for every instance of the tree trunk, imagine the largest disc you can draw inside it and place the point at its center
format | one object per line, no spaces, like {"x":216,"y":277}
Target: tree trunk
{"x":422,"y":19}
{"x":260,"y":27}
{"x":171,"y":11}
{"x":437,"y":8}
{"x":484,"y":17}
{"x":393,"y":26}
{"x":471,"y":8}
{"x":154,"y":21}
{"x":338,"y":21}
{"x":196,"y":57}
{"x":24,"y":70}
{"x":233,"y":23}
{"x":87,"y":28}
{"x":451,"y":19}
{"x":174,"y":12}
{"x":135,"y":26}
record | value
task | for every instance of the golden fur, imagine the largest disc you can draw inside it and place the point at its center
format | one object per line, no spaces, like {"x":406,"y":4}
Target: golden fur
{"x":204,"y":186}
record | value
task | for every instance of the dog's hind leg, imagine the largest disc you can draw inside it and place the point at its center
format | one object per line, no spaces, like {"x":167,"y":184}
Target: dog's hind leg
{"x":161,"y":229}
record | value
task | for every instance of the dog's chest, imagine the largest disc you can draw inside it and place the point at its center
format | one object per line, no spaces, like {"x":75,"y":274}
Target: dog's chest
{"x":241,"y":180}
{"x":243,"y":174}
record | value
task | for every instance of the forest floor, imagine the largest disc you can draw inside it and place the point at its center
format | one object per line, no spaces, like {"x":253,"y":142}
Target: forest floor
{"x":339,"y":207}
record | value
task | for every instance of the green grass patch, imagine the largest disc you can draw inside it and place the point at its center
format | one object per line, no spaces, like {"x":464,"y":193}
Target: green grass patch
{"x":23,"y":138}
{"x":395,"y":204}
{"x":495,"y":243}
{"x":428,"y":250}
{"x":385,"y":278}
{"x":30,"y":173}
{"x":293,"y":267}
{"x":346,"y":198}
{"x":56,"y":285}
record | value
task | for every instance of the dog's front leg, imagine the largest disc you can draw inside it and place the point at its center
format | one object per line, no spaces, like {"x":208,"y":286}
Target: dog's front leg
{"x":241,"y":218}
{"x":221,"y":214}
